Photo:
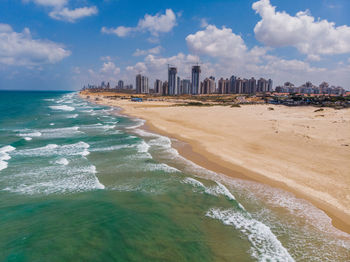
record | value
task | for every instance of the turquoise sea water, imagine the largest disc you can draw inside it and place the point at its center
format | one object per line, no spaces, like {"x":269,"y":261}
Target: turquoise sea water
{"x":78,"y":182}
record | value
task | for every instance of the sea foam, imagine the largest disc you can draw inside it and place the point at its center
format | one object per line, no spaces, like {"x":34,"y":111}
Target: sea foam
{"x":265,"y":245}
{"x":4,"y":156}
{"x":63,"y":108}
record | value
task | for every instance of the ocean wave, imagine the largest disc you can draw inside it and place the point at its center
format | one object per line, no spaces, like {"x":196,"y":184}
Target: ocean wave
{"x":265,"y":245}
{"x":32,"y":134}
{"x":161,"y":167}
{"x":58,"y":179}
{"x":278,"y":198}
{"x":62,"y":161}
{"x":63,"y":108}
{"x":112,"y":148}
{"x":76,"y":149}
{"x":4,"y":156}
{"x":60,"y":132}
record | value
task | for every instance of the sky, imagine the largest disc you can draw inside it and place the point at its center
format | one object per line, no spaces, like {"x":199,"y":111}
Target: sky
{"x":66,"y":44}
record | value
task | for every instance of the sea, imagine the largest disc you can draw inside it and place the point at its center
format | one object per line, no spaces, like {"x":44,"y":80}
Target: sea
{"x":81,"y":182}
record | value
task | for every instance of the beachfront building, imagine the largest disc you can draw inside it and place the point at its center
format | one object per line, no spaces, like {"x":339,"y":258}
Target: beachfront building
{"x":208,"y":86}
{"x":223,"y":86}
{"x":252,"y":86}
{"x":309,"y":88}
{"x":158,"y":86}
{"x":165,"y":90}
{"x":178,"y":86}
{"x":262,"y":85}
{"x":172,"y":71}
{"x":270,"y":85}
{"x":196,"y":70}
{"x":142,"y":84}
{"x":232,"y":84}
{"x":239,"y":86}
{"x":185,"y":87}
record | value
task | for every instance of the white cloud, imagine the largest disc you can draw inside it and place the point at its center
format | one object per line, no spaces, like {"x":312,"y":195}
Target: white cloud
{"x":22,"y":50}
{"x":216,"y":42}
{"x":62,"y":12}
{"x":110,"y":69}
{"x":153,"y":51}
{"x":159,"y":23}
{"x":230,"y":55}
{"x":310,"y":37}
{"x":71,"y":15}
{"x":120,"y":31}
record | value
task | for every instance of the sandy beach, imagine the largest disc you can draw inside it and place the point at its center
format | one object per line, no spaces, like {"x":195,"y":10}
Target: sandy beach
{"x":293,"y":148}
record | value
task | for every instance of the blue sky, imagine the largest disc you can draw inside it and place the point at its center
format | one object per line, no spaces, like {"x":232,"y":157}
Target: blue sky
{"x":64,"y":44}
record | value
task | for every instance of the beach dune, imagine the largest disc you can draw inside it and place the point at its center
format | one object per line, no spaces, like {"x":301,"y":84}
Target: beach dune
{"x":299,"y":149}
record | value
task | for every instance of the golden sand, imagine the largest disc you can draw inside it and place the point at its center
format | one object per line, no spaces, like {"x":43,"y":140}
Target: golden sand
{"x":295,"y":148}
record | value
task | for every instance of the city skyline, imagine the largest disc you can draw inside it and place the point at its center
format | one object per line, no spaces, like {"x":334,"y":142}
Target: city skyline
{"x":234,"y":85}
{"x":64,"y":44}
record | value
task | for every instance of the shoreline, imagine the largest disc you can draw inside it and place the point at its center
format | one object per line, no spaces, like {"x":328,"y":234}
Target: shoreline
{"x":194,"y":152}
{"x":197,"y":153}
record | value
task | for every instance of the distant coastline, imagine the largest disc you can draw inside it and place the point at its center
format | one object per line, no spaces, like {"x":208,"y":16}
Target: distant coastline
{"x":290,"y":148}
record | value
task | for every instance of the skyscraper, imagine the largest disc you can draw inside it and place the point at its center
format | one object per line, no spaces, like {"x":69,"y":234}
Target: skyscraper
{"x":158,"y":86}
{"x":262,"y":85}
{"x":186,"y":86}
{"x":120,"y":84}
{"x":232,"y":84}
{"x":142,"y":84}
{"x":172,"y":71}
{"x":252,"y":85}
{"x":196,"y":70}
{"x":270,"y":85}
{"x":178,"y":86}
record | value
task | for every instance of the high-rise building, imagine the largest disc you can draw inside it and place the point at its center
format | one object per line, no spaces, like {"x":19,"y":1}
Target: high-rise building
{"x":270,"y":85}
{"x":185,"y":86}
{"x":223,"y":86}
{"x":232,"y":84}
{"x":238,"y":86}
{"x":142,"y":84}
{"x":120,"y":84}
{"x":252,"y":86}
{"x":212,"y":85}
{"x":172,"y":71}
{"x":196,"y":70}
{"x":245,"y":87}
{"x":262,"y":85}
{"x":165,"y":90}
{"x":178,"y":86}
{"x":158,"y":86}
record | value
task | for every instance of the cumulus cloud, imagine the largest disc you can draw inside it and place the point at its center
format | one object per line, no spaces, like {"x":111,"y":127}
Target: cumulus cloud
{"x":311,"y":37}
{"x":63,"y":13}
{"x":120,"y":31}
{"x":230,"y":55}
{"x":159,"y":23}
{"x":224,"y":44}
{"x":110,"y":69}
{"x":154,"y":51}
{"x":71,"y":15}
{"x":22,"y":50}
